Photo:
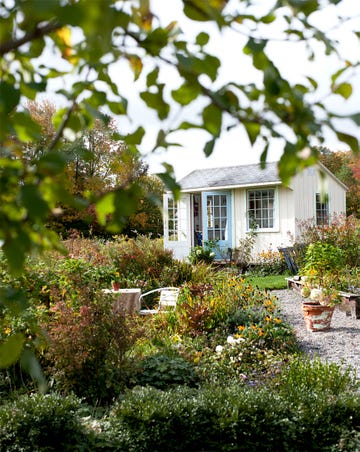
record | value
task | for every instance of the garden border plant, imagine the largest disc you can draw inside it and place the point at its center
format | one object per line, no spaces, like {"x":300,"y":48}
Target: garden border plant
{"x":228,"y":336}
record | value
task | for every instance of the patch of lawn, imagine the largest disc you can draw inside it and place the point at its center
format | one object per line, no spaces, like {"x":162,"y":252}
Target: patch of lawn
{"x":271,"y":282}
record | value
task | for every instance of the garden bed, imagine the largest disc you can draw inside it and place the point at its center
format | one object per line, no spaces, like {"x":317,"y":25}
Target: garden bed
{"x":350,"y":302}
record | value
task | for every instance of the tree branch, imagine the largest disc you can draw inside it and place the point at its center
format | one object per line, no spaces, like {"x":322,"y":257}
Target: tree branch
{"x":38,"y":32}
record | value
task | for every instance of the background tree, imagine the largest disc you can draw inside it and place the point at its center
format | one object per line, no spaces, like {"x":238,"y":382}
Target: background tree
{"x":346,"y":167}
{"x":97,"y":164}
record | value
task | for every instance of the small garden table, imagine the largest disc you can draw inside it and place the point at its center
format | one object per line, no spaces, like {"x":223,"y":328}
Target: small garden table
{"x":126,"y":301}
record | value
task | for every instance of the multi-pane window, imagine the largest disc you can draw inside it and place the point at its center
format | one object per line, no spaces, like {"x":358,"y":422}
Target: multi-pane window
{"x":261,"y":208}
{"x":173,"y":225}
{"x":321,"y":209}
{"x":216,"y":209}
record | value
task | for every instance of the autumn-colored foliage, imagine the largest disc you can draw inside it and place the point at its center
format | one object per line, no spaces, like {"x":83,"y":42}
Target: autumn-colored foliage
{"x":345,"y":165}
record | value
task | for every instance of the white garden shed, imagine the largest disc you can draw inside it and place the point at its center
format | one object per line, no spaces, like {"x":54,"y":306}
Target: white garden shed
{"x":222,"y":203}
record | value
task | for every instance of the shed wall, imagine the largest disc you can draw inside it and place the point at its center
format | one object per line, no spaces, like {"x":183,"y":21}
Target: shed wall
{"x":281,"y":236}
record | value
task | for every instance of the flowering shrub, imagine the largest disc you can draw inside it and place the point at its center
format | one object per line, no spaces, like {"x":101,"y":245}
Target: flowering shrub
{"x":269,"y":262}
{"x":204,"y":254}
{"x":86,"y":354}
{"x":322,"y":267}
{"x":342,"y":232}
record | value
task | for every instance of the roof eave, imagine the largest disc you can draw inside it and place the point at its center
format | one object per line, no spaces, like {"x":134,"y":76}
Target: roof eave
{"x":230,"y":187}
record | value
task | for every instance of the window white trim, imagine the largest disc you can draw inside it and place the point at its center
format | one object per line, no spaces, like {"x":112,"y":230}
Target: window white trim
{"x":263,"y":204}
{"x":323,"y":210}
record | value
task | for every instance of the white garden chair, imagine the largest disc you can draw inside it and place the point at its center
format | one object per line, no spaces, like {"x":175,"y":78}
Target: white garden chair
{"x":167,"y":300}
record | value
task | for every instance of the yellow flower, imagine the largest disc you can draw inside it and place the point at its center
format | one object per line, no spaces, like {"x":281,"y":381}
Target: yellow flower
{"x":241,"y":327}
{"x":7,"y":330}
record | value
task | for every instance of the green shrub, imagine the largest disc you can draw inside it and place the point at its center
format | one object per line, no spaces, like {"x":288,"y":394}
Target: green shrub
{"x":305,"y":375}
{"x":342,"y":232}
{"x":164,"y":371}
{"x":233,"y":418}
{"x":41,"y":423}
{"x":204,"y":254}
{"x":268,"y":262}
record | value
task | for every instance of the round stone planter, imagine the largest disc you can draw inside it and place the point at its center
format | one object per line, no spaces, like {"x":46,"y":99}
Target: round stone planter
{"x":317,"y":317}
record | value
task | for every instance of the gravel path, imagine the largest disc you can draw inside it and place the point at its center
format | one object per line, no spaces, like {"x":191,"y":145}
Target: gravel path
{"x":341,"y":344}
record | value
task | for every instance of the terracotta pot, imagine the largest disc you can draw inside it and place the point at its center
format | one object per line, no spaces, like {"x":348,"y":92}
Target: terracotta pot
{"x":115,"y":285}
{"x":317,"y":317}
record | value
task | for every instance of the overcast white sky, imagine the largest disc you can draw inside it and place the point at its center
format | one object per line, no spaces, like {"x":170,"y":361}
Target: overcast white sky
{"x":234,"y":148}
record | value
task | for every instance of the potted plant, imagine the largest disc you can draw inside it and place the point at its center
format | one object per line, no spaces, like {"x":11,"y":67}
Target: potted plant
{"x":322,"y":265}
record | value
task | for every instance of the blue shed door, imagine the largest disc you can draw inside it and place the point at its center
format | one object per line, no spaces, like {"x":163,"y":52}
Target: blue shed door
{"x":216,"y":207}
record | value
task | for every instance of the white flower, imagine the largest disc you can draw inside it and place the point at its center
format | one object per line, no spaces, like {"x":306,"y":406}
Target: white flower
{"x":219,"y":348}
{"x":232,"y":341}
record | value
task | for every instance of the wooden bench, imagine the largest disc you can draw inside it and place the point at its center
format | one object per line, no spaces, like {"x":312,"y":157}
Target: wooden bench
{"x":350,"y":302}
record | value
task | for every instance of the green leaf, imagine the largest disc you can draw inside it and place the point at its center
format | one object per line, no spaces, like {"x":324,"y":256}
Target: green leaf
{"x":104,"y":207}
{"x":203,"y":11}
{"x":263,"y":156}
{"x":344,"y":89}
{"x":97,"y":99}
{"x":36,"y":48}
{"x":155,"y":41}
{"x":169,"y":180}
{"x":202,"y":39}
{"x":254,"y":46}
{"x":125,"y":202}
{"x":253,"y":130}
{"x":26,"y":128}
{"x":351,"y":140}
{"x":30,"y":90}
{"x":119,"y":107}
{"x":355,"y":118}
{"x":51,"y":163}
{"x":188,"y":125}
{"x":272,"y":81}
{"x":268,"y":19}
{"x":152,"y":77}
{"x":209,"y":147}
{"x":13,"y":299}
{"x":212,"y":117}
{"x":15,"y":248}
{"x":10,"y":350}
{"x":156,"y":102}
{"x":190,"y":66}
{"x":136,"y":137}
{"x":313,"y":82}
{"x":186,"y":93}
{"x":37,"y":208}
{"x":288,"y":164}
{"x":31,"y":365}
{"x":9,"y":98}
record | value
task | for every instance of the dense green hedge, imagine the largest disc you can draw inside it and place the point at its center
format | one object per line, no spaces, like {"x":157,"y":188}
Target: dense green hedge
{"x":41,"y":423}
{"x":234,"y":419}
{"x":321,"y":414}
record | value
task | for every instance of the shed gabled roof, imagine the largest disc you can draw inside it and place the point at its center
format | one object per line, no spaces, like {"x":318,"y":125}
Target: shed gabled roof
{"x":231,"y":177}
